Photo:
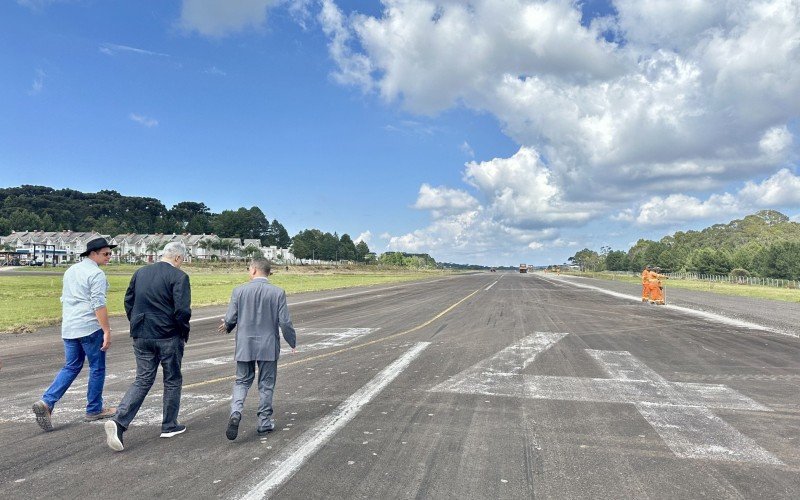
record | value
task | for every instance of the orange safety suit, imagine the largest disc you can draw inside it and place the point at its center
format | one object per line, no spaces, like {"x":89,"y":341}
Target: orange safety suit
{"x":645,"y":285}
{"x":656,"y":292}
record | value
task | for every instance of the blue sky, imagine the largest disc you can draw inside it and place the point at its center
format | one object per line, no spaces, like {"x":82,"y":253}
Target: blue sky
{"x":491,"y":133}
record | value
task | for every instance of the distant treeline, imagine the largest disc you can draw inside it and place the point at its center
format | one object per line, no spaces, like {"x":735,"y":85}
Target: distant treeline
{"x":32,"y":208}
{"x":472,"y":267}
{"x":419,"y":260}
{"x":765,"y":244}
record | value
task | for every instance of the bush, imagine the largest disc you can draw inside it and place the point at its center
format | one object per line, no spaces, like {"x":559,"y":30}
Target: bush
{"x":739,"y":273}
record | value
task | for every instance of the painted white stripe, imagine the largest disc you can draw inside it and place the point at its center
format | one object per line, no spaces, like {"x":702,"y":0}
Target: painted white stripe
{"x":295,"y":454}
{"x":692,"y":432}
{"x":333,"y":337}
{"x":490,"y":286}
{"x":694,"y":312}
{"x":484,"y":376}
{"x":679,"y":412}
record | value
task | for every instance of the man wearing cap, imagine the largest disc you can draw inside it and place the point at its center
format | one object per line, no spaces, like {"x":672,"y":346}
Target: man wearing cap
{"x":86,"y":334}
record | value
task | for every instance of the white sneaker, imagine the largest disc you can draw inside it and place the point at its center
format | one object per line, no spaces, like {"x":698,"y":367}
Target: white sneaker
{"x":114,"y":435}
{"x":180,"y":429}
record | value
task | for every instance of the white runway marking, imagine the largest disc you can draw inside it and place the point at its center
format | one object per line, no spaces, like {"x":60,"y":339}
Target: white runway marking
{"x":678,"y":411}
{"x":694,"y":312}
{"x":333,"y":337}
{"x":490,"y":286}
{"x":295,"y":455}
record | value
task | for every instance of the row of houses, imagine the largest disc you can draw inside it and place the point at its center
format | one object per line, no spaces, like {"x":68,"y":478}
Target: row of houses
{"x":57,"y":247}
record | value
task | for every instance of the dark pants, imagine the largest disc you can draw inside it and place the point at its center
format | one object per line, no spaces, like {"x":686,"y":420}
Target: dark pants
{"x":149,"y":354}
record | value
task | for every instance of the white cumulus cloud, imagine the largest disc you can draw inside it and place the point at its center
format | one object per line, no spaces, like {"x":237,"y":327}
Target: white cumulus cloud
{"x":775,"y":142}
{"x":779,"y":190}
{"x":469,"y":236}
{"x":694,"y":94}
{"x":444,"y":201}
{"x":366,"y":237}
{"x":523,"y":192}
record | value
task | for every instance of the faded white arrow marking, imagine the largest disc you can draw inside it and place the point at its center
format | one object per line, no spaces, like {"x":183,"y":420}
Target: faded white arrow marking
{"x":678,"y":411}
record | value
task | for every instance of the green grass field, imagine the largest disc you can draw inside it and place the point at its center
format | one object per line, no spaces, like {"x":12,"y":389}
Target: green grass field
{"x":761,"y":292}
{"x":30,"y":302}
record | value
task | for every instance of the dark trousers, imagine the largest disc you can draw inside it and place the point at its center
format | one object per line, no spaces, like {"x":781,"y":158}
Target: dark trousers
{"x":149,"y":354}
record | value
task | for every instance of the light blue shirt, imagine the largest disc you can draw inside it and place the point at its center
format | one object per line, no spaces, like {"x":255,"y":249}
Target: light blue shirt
{"x":84,"y":291}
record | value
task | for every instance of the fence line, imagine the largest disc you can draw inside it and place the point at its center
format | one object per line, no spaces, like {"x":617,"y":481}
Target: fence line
{"x":739,"y":280}
{"x":713,"y":278}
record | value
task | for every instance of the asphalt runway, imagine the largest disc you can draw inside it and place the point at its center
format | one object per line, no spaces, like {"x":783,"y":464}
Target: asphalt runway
{"x":477,"y":386}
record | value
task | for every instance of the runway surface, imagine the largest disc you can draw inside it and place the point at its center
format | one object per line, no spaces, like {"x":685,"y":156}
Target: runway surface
{"x":476,"y":386}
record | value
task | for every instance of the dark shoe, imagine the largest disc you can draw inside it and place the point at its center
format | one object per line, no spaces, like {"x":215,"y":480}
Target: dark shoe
{"x":106,"y":413}
{"x":266,"y":428}
{"x":180,"y":429}
{"x":233,"y":426}
{"x":42,"y":412}
{"x":114,"y":435}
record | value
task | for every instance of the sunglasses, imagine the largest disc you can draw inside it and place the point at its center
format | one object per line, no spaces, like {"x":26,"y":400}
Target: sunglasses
{"x":105,"y":254}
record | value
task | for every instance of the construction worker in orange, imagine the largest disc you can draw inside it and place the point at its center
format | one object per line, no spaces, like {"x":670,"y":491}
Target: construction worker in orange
{"x":656,"y":287}
{"x":646,"y":284}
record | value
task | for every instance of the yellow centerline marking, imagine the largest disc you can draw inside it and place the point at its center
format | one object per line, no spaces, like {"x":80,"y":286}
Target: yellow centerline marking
{"x":345,"y":349}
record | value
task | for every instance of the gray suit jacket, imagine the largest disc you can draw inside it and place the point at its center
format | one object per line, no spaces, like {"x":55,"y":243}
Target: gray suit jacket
{"x":256,"y":310}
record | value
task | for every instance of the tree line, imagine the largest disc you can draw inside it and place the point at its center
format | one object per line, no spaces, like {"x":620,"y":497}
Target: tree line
{"x":28,"y":208}
{"x":764,"y":244}
{"x":314,"y":244}
{"x":32,"y":208}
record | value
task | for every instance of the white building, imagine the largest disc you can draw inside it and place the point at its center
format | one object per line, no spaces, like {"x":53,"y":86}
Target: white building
{"x":53,"y":247}
{"x":66,"y":246}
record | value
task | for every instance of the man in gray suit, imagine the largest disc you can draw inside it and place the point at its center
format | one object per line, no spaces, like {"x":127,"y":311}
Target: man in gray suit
{"x":256,"y":310}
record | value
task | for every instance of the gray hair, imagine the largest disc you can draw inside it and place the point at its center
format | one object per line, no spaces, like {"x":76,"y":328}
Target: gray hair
{"x":262,"y":266}
{"x":174,"y":250}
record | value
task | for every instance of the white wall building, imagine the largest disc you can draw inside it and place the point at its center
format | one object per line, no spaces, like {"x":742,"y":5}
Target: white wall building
{"x":53,"y":247}
{"x":66,"y":246}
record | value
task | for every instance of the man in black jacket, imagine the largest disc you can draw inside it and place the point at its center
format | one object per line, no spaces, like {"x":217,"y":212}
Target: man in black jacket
{"x":158,"y":305}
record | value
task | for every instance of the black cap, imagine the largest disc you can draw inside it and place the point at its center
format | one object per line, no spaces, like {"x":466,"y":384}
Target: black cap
{"x":96,"y":244}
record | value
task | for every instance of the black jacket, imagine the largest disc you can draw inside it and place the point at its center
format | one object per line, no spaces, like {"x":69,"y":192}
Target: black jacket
{"x":158,"y":302}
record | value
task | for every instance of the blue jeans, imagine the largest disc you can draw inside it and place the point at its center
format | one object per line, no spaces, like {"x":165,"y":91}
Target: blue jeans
{"x":75,"y":351}
{"x":149,"y":354}
{"x":245,"y":374}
